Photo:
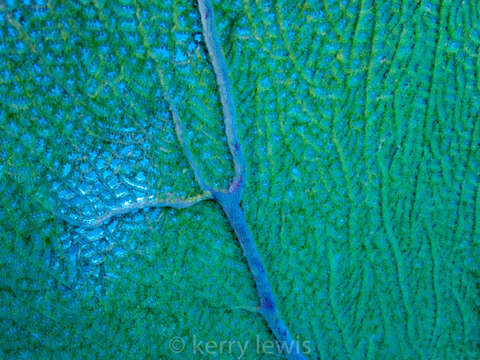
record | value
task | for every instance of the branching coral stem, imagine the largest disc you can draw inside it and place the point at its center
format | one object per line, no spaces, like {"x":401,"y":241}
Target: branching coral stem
{"x":230,"y":199}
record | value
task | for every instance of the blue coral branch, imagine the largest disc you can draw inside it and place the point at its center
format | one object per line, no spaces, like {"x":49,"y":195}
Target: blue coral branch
{"x":230,"y":199}
{"x":268,"y":309}
{"x":217,"y":59}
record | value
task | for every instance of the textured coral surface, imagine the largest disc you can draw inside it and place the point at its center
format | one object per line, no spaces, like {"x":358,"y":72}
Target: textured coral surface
{"x":360,"y":125}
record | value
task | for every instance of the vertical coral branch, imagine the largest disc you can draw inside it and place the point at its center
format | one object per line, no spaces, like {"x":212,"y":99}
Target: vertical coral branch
{"x":230,"y":200}
{"x":210,"y":37}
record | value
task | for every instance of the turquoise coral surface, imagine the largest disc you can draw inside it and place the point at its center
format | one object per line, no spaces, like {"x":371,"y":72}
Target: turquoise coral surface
{"x":359,"y":121}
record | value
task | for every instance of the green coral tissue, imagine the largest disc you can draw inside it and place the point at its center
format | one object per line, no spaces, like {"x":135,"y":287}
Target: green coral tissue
{"x":159,"y":158}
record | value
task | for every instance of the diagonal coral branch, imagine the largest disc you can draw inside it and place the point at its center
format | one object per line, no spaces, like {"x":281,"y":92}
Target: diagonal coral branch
{"x":186,"y":149}
{"x":268,"y":309}
{"x":181,"y":138}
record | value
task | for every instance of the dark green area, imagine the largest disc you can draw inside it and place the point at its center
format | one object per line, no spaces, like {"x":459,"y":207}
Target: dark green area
{"x":360,"y":126}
